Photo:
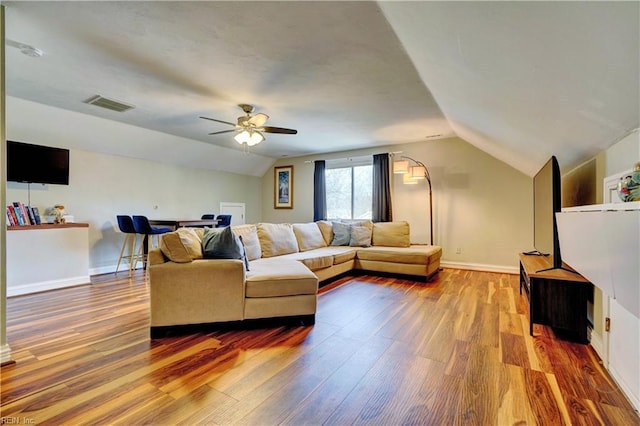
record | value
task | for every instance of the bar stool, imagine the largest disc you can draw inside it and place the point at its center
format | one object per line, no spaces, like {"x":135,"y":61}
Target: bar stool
{"x":206,"y":216}
{"x":125,"y":223}
{"x":223,"y":220}
{"x":143,"y":227}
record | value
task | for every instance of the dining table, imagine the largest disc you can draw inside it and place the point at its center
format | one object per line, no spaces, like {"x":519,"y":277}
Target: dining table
{"x":181,"y":223}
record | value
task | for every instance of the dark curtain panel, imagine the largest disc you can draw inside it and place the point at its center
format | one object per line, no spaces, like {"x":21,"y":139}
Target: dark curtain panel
{"x":381,"y":189}
{"x":319,"y":192}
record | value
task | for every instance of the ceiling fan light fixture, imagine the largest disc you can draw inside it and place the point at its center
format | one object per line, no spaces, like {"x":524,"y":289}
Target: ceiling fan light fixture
{"x":255,"y":138}
{"x":242,"y":137}
{"x":251,"y":138}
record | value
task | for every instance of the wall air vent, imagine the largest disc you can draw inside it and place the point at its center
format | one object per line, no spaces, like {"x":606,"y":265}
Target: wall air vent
{"x":107,"y":103}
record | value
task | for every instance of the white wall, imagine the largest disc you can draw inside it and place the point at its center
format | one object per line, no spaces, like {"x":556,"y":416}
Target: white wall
{"x":481,"y":205}
{"x":102,"y":186}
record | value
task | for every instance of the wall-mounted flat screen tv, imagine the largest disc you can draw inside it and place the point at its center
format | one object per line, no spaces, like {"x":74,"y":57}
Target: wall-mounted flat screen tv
{"x":37,"y":164}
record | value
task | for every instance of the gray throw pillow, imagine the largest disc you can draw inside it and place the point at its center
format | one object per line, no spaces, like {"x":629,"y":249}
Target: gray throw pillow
{"x":222,"y":243}
{"x":360,"y":236}
{"x":341,"y":234}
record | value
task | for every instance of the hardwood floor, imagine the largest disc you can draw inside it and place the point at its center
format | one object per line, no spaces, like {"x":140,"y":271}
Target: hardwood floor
{"x":383,"y":351}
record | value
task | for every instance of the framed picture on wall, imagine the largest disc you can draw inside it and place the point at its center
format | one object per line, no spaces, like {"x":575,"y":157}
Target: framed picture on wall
{"x":283,"y":187}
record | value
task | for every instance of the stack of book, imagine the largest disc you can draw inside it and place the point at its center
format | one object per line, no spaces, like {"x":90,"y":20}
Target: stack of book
{"x":20,"y":215}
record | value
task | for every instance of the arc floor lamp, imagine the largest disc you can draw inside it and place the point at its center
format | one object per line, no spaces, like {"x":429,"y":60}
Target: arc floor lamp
{"x":411,"y":174}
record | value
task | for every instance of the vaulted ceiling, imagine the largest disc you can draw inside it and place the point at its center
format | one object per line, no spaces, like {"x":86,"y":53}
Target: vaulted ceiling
{"x":519,"y":80}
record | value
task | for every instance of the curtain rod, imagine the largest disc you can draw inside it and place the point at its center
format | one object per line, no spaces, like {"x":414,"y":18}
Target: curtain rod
{"x":350,"y":158}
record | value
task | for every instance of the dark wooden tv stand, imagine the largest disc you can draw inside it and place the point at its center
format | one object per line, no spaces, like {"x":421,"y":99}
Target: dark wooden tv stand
{"x":557,"y":298}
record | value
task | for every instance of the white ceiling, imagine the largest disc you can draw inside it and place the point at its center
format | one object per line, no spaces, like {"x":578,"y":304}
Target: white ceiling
{"x":521,"y":80}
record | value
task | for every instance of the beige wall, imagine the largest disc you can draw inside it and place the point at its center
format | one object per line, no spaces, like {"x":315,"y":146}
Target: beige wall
{"x":481,"y":205}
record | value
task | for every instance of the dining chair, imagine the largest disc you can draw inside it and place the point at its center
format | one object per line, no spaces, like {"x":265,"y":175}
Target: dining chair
{"x":125,"y":224}
{"x":143,"y":227}
{"x":223,"y":220}
{"x":208,"y":217}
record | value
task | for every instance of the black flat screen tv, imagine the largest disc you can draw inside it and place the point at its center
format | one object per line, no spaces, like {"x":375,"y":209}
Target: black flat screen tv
{"x":37,"y":164}
{"x":547,"y":198}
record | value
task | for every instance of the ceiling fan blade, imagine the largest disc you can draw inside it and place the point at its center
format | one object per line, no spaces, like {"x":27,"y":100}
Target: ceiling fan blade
{"x":259,"y":119}
{"x":222,"y":131}
{"x":268,"y":129}
{"x":219,"y":121}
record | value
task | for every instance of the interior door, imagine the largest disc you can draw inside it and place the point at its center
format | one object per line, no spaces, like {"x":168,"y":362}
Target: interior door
{"x":236,"y":210}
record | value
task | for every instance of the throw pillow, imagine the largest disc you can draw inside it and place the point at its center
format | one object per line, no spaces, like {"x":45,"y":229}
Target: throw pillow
{"x":341,"y":234}
{"x":308,"y":236}
{"x":181,"y":246}
{"x":277,"y":239}
{"x":249,"y":235}
{"x":327,"y":230}
{"x":391,"y":234}
{"x":173,"y":248}
{"x":360,"y":236}
{"x":358,"y":222}
{"x":192,"y":242}
{"x":222,"y":243}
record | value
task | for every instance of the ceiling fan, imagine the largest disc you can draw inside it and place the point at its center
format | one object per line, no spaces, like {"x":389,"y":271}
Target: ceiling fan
{"x":250,"y":128}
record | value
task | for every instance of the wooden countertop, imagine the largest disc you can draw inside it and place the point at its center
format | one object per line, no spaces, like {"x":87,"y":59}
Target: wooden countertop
{"x":47,"y":226}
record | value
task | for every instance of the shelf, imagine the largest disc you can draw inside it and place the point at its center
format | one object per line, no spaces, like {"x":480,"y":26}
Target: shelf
{"x":47,"y":226}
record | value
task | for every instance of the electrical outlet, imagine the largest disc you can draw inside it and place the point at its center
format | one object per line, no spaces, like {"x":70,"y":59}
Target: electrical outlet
{"x":458,"y":250}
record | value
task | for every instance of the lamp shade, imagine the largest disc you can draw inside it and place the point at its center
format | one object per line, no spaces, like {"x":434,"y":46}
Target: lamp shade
{"x":242,"y":137}
{"x":418,"y":172}
{"x":255,"y":138}
{"x":401,"y":167}
{"x":408,"y":180}
{"x":250,"y":138}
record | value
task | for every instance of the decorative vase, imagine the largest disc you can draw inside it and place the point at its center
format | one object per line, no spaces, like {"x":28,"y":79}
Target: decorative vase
{"x":629,"y":186}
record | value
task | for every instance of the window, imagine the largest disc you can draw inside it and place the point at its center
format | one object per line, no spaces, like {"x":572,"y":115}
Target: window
{"x":349,"y":192}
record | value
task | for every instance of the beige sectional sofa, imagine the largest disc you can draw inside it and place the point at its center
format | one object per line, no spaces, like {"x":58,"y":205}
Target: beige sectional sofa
{"x":285,"y":264}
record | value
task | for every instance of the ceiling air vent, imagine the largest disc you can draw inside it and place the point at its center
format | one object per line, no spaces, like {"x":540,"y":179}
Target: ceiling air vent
{"x":107,"y":103}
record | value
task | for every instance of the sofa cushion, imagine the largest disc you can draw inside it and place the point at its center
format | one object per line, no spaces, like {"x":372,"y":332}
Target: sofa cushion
{"x":277,"y":239}
{"x":360,"y":236}
{"x":279,"y":277}
{"x":332,"y":255}
{"x":249,"y":234}
{"x":313,"y":260}
{"x":181,"y":246}
{"x":341,"y":234}
{"x":391,"y":234}
{"x":222,"y":243}
{"x":308,"y":236}
{"x":420,"y":255}
{"x":326,"y":228}
{"x":344,"y":256}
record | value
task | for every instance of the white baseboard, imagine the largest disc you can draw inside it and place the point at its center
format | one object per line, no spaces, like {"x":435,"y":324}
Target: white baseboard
{"x":5,"y":354}
{"x":110,"y":269}
{"x":481,"y":267}
{"x":47,"y":285}
{"x":623,"y":384}
{"x":598,"y":345}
